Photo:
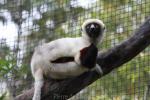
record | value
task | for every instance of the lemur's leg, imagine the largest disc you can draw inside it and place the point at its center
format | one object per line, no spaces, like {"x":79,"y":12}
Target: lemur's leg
{"x":38,"y":76}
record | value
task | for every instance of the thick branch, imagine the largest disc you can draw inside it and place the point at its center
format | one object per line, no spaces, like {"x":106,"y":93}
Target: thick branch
{"x":109,"y":60}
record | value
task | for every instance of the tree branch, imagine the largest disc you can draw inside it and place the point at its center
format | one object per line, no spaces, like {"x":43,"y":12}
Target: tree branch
{"x":109,"y":60}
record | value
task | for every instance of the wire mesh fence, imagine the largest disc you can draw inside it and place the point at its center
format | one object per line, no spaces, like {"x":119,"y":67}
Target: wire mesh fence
{"x":25,"y":24}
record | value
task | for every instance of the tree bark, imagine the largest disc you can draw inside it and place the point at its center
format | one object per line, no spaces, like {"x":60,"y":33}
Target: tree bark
{"x":108,"y":60}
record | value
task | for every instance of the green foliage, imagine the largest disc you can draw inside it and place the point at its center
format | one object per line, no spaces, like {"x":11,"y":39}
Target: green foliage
{"x":2,"y":97}
{"x":6,"y":66}
{"x":7,"y":60}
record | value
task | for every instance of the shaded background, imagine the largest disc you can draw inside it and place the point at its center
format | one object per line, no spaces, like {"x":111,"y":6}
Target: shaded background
{"x":25,"y":24}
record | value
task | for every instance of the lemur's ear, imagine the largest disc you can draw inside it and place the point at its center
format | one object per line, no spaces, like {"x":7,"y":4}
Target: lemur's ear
{"x":81,"y":29}
{"x":104,"y":27}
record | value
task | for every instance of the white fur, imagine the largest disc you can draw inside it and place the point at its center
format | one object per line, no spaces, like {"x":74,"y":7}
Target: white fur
{"x":46,"y":53}
{"x":43,"y":55}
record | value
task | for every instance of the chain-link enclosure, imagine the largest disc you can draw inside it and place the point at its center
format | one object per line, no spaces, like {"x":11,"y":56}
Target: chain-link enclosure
{"x":25,"y":24}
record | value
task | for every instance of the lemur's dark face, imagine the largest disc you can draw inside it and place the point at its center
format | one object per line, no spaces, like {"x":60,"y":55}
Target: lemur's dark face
{"x":93,"y":30}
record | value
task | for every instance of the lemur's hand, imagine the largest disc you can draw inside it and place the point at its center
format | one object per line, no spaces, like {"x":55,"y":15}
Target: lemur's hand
{"x":88,"y":56}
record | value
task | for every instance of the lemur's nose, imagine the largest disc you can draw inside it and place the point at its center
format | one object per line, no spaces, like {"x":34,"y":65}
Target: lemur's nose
{"x":92,"y":26}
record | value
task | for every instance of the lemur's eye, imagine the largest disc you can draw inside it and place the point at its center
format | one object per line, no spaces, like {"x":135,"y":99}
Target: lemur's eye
{"x":88,"y":27}
{"x":96,"y":26}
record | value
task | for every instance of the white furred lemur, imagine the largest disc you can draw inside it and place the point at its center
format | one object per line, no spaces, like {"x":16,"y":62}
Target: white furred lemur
{"x":67,"y":57}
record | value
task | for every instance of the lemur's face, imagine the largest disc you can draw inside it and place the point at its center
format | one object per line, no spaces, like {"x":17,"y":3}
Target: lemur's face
{"x":93,"y":29}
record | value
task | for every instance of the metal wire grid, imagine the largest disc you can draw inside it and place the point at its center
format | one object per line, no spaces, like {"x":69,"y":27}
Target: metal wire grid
{"x":45,"y":20}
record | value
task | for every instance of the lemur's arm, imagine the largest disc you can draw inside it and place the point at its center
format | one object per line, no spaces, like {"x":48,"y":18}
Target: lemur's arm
{"x":87,"y":58}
